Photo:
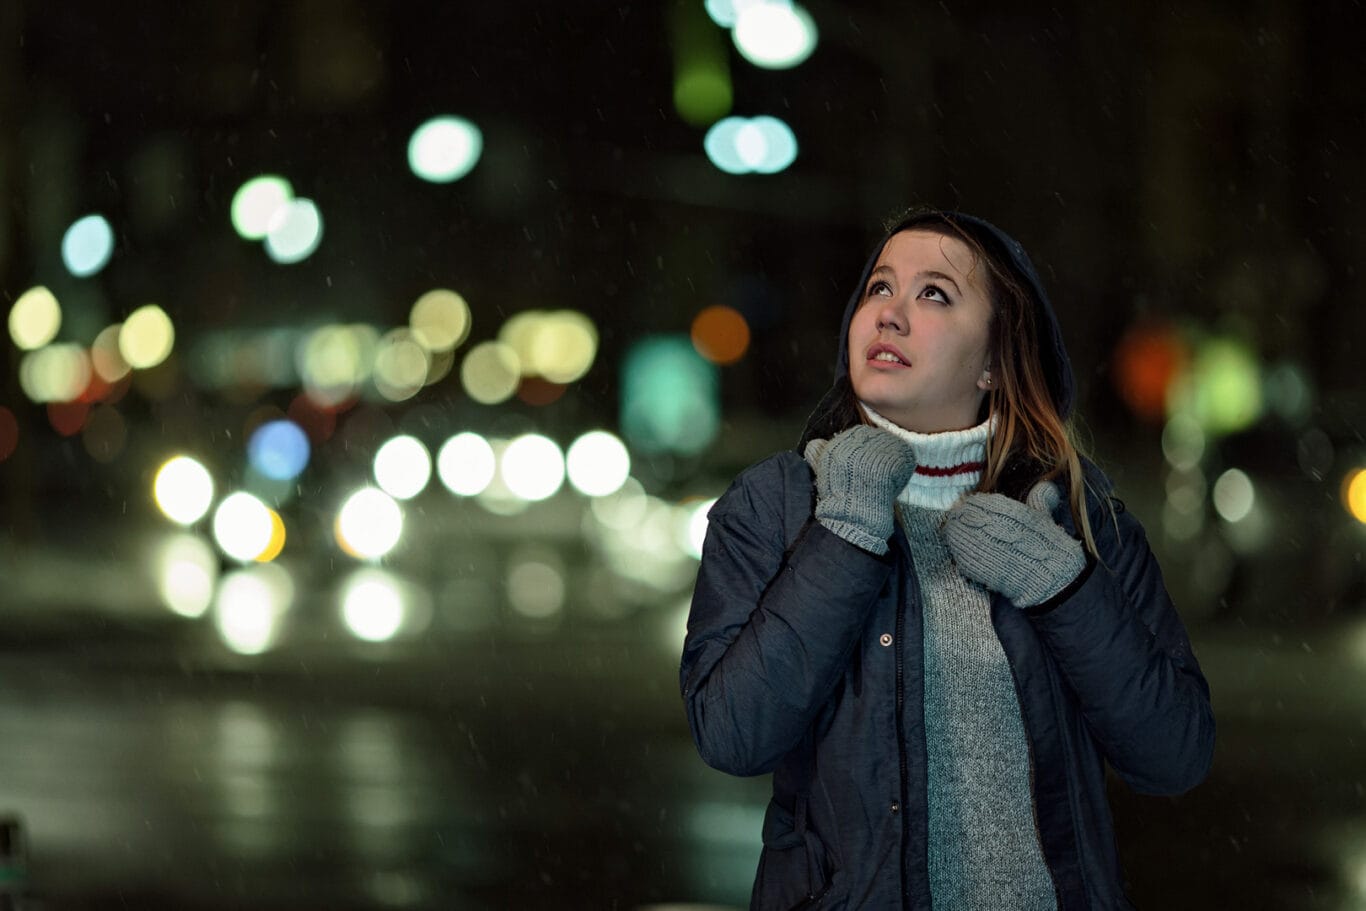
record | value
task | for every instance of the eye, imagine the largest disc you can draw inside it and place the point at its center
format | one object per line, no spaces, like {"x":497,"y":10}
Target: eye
{"x":938,"y":292}
{"x":879,"y":287}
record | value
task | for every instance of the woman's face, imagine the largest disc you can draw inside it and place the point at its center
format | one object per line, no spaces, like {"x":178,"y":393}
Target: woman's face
{"x":918,"y":342}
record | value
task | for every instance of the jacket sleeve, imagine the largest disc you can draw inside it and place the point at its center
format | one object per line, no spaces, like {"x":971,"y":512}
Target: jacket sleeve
{"x":772,"y":628}
{"x":1125,"y":654}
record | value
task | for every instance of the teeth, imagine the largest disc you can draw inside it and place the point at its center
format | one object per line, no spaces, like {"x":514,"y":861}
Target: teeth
{"x":887,"y":356}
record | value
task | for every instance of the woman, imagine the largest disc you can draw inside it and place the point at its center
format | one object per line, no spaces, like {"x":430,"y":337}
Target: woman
{"x":936,"y":626}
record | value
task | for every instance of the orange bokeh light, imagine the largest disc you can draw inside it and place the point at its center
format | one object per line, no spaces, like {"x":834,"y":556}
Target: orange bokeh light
{"x":720,"y":334}
{"x":1147,"y":360}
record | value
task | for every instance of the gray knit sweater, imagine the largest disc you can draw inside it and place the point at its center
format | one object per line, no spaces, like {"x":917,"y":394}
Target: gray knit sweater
{"x":984,"y":845}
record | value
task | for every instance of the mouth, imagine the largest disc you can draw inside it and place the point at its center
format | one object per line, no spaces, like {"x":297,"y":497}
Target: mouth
{"x":886,"y":354}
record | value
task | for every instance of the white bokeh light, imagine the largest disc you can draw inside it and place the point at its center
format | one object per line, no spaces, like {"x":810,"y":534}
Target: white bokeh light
{"x":695,"y":527}
{"x":250,"y":606}
{"x":598,"y":463}
{"x":372,"y":606}
{"x":403,"y":466}
{"x":533,"y":467}
{"x":774,"y":36}
{"x":1234,"y":495}
{"x":445,"y":149}
{"x":243,"y":527}
{"x":466,"y":464}
{"x":186,"y":574}
{"x":370,"y":523}
{"x":296,"y":230}
{"x":183,"y":490}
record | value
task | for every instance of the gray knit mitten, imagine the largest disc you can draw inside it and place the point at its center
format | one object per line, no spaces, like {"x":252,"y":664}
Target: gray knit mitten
{"x":859,"y":472}
{"x":1013,"y":548}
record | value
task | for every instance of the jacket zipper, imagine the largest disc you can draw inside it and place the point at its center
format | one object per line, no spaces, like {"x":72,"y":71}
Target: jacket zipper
{"x":901,"y":729}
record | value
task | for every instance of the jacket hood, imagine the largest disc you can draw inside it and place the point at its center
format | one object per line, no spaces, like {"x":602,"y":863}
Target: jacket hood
{"x":830,"y":415}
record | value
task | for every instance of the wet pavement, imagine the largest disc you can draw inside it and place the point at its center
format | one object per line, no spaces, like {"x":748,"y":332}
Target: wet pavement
{"x":153,"y":772}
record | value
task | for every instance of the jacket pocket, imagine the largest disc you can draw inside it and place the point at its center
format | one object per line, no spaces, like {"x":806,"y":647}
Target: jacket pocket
{"x":794,"y":868}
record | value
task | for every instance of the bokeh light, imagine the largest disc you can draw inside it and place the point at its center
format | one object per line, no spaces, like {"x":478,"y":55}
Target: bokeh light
{"x":624,"y":509}
{"x":183,"y":490}
{"x":105,"y":357}
{"x":369,"y":524}
{"x":445,"y":149}
{"x":9,"y":433}
{"x":67,"y":418}
{"x":403,"y":466}
{"x":57,"y":373}
{"x":296,"y":230}
{"x":670,"y":396}
{"x":186,"y":574}
{"x":536,"y":584}
{"x":334,"y":360}
{"x":87,"y":245}
{"x":35,"y":318}
{"x":1223,"y":389}
{"x":104,"y":434}
{"x":146,"y":337}
{"x":242,"y":527}
{"x":598,"y":463}
{"x":256,"y":202}
{"x":557,"y":345}
{"x":1354,"y":494}
{"x":1289,"y":392}
{"x":372,"y":605}
{"x":401,"y":365}
{"x":1183,"y":442}
{"x":763,"y":145}
{"x":250,"y":606}
{"x":490,"y":372}
{"x":532,"y":466}
{"x":440,"y":319}
{"x":278,"y":449}
{"x":703,"y":91}
{"x":725,"y":12}
{"x":276,"y":544}
{"x":774,"y":36}
{"x":1233,"y":495}
{"x":720,"y":334}
{"x":695,"y":525}
{"x":466,"y":464}
{"x":1147,"y":361}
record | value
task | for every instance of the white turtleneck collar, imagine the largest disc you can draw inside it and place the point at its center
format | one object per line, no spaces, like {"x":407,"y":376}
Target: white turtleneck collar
{"x":948,"y":464}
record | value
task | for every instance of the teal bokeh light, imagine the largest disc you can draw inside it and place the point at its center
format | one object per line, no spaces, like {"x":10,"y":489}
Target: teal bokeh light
{"x":87,"y":245}
{"x":445,"y":149}
{"x":670,"y":396}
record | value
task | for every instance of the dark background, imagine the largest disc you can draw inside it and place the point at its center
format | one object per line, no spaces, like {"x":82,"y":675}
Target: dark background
{"x":1197,"y":166}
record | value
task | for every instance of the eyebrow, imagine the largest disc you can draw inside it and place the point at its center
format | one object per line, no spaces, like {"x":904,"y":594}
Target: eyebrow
{"x":928,"y":273}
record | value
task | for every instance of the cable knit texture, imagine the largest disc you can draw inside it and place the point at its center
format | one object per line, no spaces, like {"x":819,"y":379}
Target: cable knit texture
{"x":1012,"y":548}
{"x":858,"y":473}
{"x":983,"y":847}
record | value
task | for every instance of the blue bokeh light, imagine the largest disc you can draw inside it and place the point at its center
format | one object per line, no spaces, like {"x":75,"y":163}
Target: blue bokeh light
{"x":278,"y":450}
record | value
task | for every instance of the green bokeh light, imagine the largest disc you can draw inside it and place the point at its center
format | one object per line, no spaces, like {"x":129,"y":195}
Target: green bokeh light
{"x":1222,"y":391}
{"x":702,"y":93}
{"x":670,"y":396}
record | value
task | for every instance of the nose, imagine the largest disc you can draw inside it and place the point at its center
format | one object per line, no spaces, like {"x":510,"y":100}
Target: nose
{"x":892,"y":316}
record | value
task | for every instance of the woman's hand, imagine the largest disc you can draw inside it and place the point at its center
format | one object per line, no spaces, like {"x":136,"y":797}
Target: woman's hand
{"x":1014,"y":548}
{"x":859,"y":472}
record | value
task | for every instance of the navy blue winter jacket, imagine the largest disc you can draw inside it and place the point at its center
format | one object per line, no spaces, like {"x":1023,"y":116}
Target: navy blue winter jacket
{"x":804,"y":658}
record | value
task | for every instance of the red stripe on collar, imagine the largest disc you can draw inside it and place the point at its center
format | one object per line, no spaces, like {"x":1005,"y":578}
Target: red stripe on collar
{"x":935,"y":471}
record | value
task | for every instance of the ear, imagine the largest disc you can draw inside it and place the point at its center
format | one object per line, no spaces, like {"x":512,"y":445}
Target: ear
{"x":986,"y":382}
